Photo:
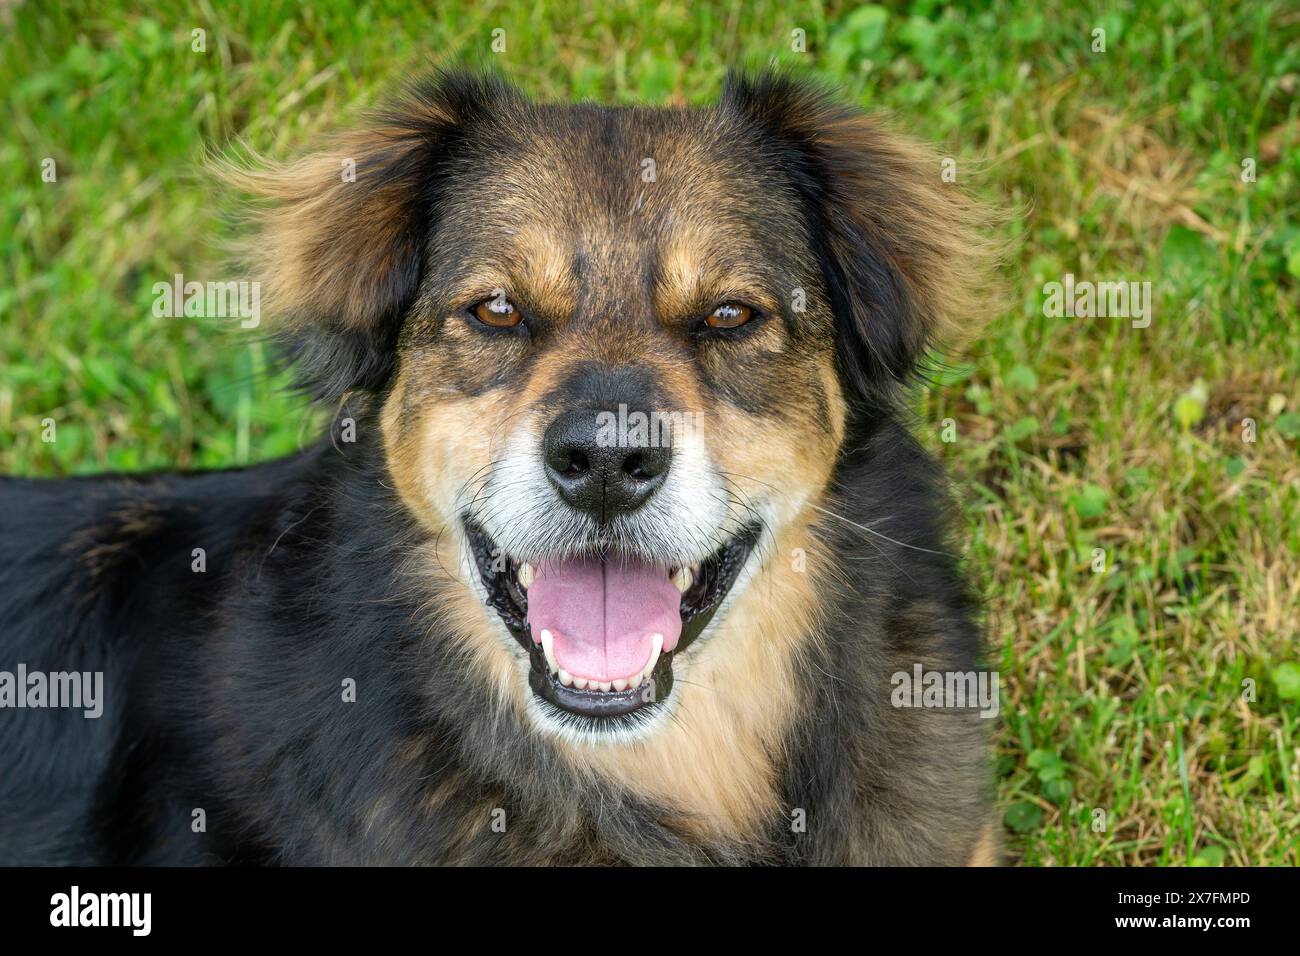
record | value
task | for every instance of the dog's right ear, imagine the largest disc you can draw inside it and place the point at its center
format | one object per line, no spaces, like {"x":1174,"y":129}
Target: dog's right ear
{"x":339,"y":240}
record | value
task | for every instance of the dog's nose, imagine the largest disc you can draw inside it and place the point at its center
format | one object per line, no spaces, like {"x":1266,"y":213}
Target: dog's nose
{"x":597,"y":473}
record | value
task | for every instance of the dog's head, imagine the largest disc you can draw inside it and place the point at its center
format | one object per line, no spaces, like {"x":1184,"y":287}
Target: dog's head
{"x":618,"y":351}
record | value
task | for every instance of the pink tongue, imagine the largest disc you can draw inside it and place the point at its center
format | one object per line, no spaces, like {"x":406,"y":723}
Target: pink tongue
{"x":603,"y":614}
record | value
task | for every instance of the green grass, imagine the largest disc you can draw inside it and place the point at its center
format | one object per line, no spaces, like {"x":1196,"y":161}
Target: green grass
{"x":1123,"y":690}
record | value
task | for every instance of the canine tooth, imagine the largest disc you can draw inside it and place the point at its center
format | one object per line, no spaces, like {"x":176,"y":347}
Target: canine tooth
{"x":620,"y":684}
{"x":548,"y":644}
{"x":527,"y":575}
{"x":658,"y":645}
{"x":683,"y":579}
{"x":566,"y":678}
{"x":580,"y":683}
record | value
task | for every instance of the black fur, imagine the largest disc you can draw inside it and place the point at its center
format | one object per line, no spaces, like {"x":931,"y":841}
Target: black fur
{"x":223,"y":689}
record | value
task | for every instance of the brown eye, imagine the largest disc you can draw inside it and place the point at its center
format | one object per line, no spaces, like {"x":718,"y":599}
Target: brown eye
{"x":498,"y":312}
{"x":729,"y":315}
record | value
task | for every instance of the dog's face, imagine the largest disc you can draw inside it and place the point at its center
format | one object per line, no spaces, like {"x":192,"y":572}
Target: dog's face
{"x":618,"y":351}
{"x":606,"y":386}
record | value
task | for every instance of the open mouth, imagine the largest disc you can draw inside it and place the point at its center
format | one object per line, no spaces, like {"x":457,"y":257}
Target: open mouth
{"x":601,"y":630}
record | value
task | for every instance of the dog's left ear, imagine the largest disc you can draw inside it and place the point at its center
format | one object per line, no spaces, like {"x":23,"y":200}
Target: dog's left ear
{"x":339,"y":241}
{"x":904,"y":252}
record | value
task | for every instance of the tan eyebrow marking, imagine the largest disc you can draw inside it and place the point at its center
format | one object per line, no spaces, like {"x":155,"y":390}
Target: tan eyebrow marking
{"x":542,"y":268}
{"x":532,"y":267}
{"x":693,"y":276}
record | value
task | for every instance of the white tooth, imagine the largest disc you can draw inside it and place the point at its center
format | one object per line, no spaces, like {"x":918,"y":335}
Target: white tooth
{"x":527,"y":575}
{"x":548,"y":642}
{"x":683,"y":579}
{"x":580,"y":683}
{"x":605,"y":686}
{"x":658,"y":641}
{"x":620,"y":684}
{"x":565,"y":678}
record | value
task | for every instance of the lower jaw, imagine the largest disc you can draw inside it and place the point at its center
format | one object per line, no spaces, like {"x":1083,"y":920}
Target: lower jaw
{"x":599,"y":705}
{"x":610,"y":710}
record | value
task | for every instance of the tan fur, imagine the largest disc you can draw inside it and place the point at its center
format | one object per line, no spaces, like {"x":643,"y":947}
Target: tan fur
{"x":541,"y":265}
{"x":988,"y":852}
{"x":689,"y":277}
{"x":763,"y":456}
{"x":436,"y":447}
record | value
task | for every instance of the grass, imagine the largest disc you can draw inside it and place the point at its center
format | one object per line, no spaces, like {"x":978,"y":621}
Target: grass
{"x":1141,"y":560}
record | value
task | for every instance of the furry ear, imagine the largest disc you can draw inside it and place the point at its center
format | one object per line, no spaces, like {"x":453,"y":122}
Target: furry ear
{"x":902,"y":253}
{"x":338,"y":238}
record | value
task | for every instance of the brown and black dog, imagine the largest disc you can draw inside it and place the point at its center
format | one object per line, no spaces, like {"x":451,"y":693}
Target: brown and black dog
{"x":620,"y":550}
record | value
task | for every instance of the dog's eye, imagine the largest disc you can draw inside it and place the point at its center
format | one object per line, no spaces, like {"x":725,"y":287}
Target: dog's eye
{"x":498,"y":312}
{"x":729,"y":315}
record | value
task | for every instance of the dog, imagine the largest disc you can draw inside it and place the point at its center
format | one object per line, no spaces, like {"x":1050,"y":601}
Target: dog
{"x":616,"y":547}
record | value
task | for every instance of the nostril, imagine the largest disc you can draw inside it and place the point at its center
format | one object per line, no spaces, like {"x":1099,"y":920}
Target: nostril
{"x":576,"y":466}
{"x":634,"y":467}
{"x":645,"y":465}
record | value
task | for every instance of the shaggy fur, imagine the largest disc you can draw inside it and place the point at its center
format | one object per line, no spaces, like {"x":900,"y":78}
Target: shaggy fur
{"x":343,"y":563}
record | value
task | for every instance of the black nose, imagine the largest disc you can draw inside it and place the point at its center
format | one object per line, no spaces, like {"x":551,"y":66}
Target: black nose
{"x":597,"y":473}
